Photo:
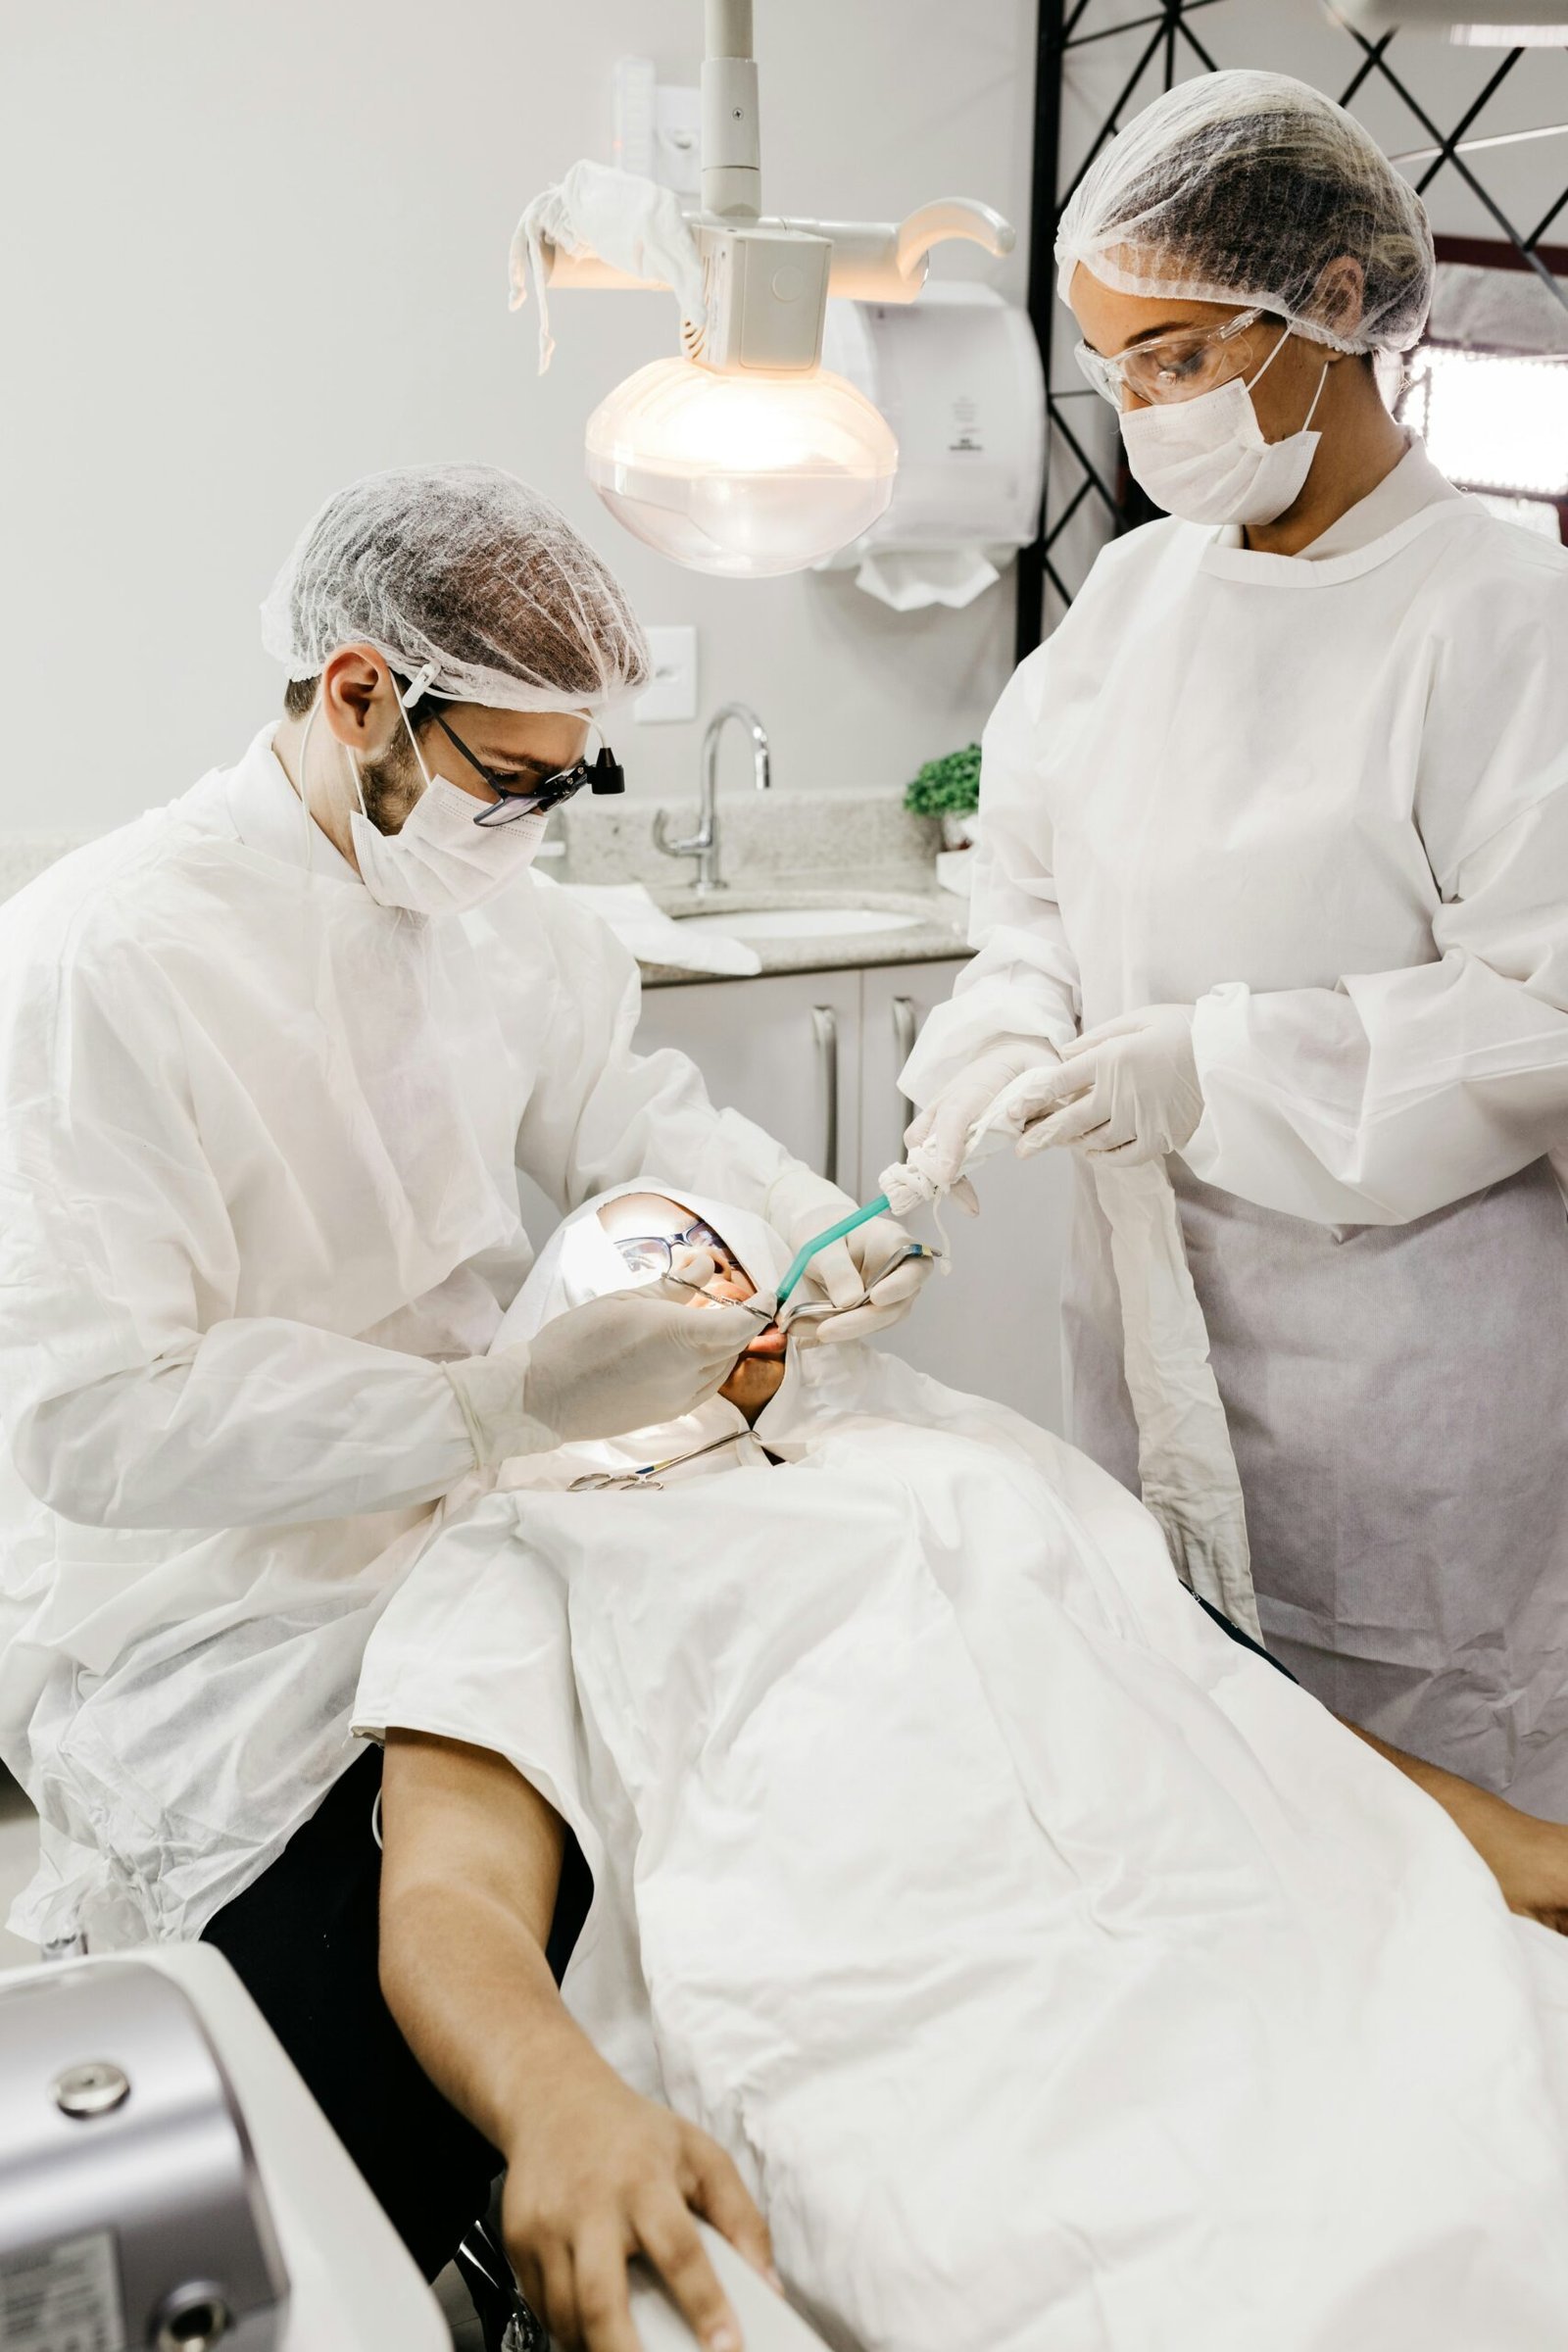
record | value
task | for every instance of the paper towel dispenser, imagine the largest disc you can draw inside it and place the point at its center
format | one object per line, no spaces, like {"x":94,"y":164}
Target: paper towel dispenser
{"x":958,"y":375}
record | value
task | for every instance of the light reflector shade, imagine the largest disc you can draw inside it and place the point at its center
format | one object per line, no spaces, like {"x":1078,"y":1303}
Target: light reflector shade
{"x":1494,"y":422}
{"x":748,"y":475}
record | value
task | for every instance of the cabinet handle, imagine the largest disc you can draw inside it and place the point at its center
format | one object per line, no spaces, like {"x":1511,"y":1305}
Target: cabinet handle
{"x":825,"y":1029}
{"x":905,"y":1027}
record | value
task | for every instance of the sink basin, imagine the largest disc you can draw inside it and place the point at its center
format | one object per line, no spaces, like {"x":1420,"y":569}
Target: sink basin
{"x":799,"y":922}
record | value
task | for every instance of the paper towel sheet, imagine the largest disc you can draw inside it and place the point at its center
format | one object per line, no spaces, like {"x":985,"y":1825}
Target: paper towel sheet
{"x":655,"y":937}
{"x":910,"y":579}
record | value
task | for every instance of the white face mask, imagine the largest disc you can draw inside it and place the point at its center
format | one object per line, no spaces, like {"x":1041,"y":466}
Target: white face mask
{"x":440,"y":861}
{"x":1207,"y":460}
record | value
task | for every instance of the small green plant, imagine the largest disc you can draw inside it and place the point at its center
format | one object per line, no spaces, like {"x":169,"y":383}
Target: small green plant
{"x":947,"y":786}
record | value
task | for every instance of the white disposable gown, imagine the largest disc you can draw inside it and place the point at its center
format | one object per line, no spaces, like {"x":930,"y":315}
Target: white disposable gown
{"x":1324,"y":799}
{"x":1062,"y":1978}
{"x":259,"y":1173}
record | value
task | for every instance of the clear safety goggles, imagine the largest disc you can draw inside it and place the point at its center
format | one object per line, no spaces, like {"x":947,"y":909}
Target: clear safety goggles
{"x":1179,"y":367}
{"x":518,"y":797}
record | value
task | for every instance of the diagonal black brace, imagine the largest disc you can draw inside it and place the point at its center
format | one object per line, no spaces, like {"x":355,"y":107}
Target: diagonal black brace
{"x":1108,"y":497}
{"x":1110,"y":32}
{"x":1380,"y":65}
{"x":1451,"y":144}
{"x":1113,"y":123}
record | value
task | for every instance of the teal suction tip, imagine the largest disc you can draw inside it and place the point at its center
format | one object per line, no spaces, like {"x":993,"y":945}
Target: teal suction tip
{"x":803,"y":1257}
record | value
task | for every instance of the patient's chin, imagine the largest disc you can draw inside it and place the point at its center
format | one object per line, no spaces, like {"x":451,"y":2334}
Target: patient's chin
{"x":755,"y":1382}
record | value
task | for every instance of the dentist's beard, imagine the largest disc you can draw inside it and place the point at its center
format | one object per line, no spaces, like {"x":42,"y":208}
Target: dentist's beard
{"x":391,"y":784}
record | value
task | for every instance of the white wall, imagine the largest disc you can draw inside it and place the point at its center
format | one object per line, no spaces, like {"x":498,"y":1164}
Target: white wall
{"x":256,"y":247}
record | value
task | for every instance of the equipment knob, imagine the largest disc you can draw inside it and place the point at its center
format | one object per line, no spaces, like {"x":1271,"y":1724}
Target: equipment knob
{"x":193,"y":2319}
{"x":96,"y":2088}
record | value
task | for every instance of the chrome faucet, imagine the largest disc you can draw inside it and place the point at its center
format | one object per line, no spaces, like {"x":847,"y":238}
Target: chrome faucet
{"x":702,"y":844}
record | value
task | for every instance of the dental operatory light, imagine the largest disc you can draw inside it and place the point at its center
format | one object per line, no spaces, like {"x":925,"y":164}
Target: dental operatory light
{"x":741,"y":474}
{"x":743,"y":455}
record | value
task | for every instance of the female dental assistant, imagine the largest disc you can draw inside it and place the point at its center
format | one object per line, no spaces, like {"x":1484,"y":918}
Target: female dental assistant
{"x":1274,"y":879}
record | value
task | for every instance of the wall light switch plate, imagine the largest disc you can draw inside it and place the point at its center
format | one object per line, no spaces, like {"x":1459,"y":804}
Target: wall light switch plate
{"x":674,"y":692}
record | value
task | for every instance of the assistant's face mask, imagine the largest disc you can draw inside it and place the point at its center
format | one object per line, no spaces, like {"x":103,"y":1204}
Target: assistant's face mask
{"x":1206,"y":461}
{"x":440,"y":861}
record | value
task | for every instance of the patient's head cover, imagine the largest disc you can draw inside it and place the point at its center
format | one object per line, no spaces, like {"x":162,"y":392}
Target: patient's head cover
{"x":588,"y":1257}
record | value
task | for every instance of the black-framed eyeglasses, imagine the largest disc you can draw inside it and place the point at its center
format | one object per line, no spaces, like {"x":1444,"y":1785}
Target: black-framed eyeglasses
{"x":513,"y":798}
{"x":650,"y":1257}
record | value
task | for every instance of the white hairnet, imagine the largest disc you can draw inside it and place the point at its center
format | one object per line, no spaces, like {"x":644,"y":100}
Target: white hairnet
{"x":467,"y":581}
{"x":1242,"y":188}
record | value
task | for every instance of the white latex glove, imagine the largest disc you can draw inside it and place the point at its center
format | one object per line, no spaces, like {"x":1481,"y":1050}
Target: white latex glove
{"x":940,"y":1134}
{"x":626,"y":1361}
{"x":1128,"y":1089}
{"x":856,"y":1287}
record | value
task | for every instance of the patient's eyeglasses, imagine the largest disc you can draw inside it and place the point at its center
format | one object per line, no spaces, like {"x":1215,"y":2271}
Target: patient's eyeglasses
{"x":651,"y":1255}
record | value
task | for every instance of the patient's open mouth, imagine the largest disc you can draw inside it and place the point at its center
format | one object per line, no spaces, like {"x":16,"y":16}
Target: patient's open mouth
{"x":770,"y":1342}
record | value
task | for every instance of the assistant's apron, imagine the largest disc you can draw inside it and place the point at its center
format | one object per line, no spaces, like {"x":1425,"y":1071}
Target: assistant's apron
{"x":1441,"y":1625}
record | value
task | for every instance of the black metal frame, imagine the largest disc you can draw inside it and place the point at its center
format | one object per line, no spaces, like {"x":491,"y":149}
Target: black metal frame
{"x":1066,"y":26}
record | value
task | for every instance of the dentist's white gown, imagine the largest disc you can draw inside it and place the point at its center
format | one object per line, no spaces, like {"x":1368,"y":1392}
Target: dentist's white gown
{"x":1325,"y":800}
{"x":260,"y":1140}
{"x":1060,"y":1977}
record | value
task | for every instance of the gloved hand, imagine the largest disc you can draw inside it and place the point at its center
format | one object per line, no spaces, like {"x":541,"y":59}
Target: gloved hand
{"x":626,"y":1361}
{"x":940,"y":1134}
{"x":864,"y":1280}
{"x":1129,"y":1087}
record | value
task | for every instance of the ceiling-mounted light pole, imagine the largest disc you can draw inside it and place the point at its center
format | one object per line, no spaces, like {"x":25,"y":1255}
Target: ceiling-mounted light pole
{"x":745,"y":456}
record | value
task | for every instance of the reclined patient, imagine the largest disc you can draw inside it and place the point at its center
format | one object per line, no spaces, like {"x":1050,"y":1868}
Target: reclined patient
{"x":1058,"y":1977}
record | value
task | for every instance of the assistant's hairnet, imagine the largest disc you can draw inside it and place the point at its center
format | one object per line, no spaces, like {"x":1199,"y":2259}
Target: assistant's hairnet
{"x":465,"y":581}
{"x":1242,"y":187}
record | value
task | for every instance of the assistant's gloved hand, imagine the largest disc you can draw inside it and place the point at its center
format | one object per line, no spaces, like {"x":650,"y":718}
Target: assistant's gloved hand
{"x":1129,"y":1087}
{"x":622,"y":1363}
{"x":866,"y":1281}
{"x":941,"y":1133}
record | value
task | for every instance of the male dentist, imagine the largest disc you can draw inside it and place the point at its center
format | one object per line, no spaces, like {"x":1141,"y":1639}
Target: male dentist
{"x":270,"y":1060}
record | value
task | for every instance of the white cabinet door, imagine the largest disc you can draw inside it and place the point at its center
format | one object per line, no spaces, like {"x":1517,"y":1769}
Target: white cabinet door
{"x":993,"y":1325}
{"x":786,"y":1051}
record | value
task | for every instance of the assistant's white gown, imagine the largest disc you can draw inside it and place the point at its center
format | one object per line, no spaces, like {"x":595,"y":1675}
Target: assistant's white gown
{"x":260,"y":1141}
{"x":1325,"y":800}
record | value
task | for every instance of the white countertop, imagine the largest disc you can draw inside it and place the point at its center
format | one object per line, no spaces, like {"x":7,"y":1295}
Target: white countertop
{"x":936,"y":933}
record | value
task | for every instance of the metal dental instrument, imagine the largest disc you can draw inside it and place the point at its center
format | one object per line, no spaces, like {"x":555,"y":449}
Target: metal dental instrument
{"x":764,"y":1307}
{"x":596,"y":1482}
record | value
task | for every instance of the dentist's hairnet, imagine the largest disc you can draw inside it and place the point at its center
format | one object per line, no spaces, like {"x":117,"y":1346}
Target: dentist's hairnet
{"x":467,"y":581}
{"x":1242,"y":187}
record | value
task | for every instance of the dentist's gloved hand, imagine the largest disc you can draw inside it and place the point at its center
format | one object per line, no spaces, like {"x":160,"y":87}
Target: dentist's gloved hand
{"x":1128,"y":1088}
{"x":624,"y":1361}
{"x":940,"y":1134}
{"x":866,"y":1282}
